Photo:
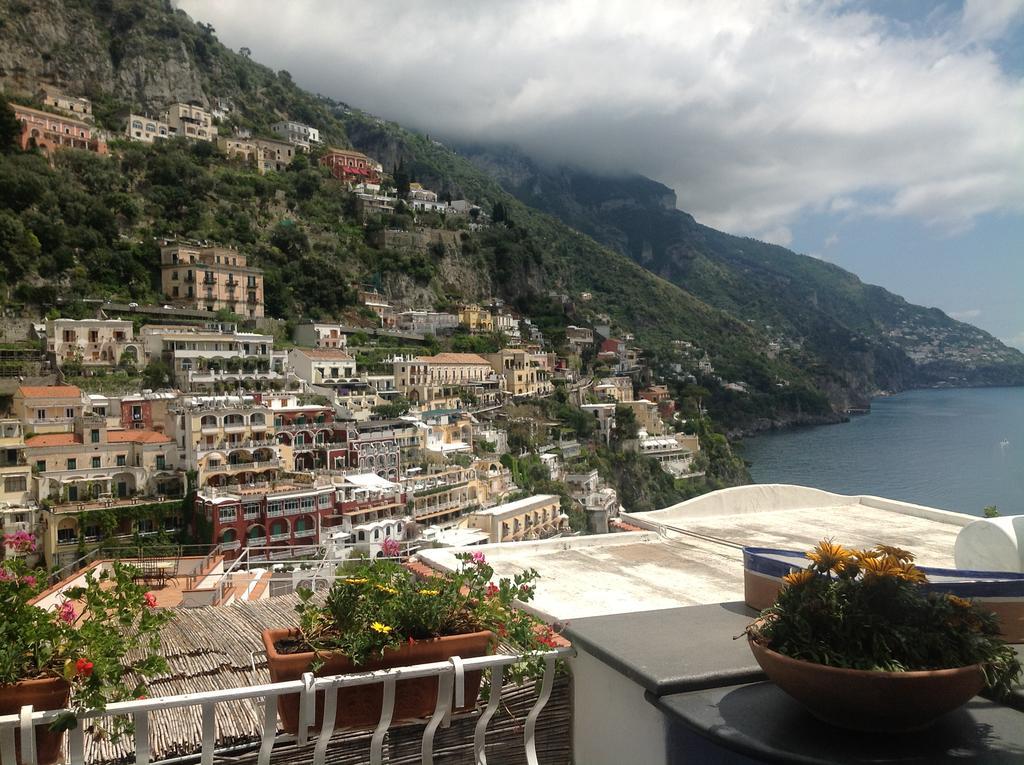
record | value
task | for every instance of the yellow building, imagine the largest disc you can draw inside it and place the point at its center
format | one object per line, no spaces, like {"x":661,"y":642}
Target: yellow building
{"x":15,"y":472}
{"x":476,"y":319}
{"x":534,"y":517}
{"x":211,"y":278}
{"x":445,"y":380}
{"x":48,"y":409}
{"x":228,"y":440}
{"x":94,"y":462}
{"x":523,"y":373}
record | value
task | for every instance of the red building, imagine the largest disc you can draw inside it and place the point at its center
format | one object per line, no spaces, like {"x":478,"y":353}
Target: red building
{"x":295,"y":515}
{"x":50,"y":132}
{"x":351,"y":166}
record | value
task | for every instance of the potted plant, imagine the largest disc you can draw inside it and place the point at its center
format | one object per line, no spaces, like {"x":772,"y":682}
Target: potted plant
{"x":858,"y":640}
{"x":381,"y":616}
{"x":74,"y":656}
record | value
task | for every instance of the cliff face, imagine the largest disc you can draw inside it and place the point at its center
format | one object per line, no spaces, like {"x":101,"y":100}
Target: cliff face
{"x":856,"y":337}
{"x":98,"y":49}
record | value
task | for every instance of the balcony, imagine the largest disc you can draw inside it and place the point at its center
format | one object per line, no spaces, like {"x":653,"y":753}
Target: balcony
{"x":290,"y":511}
{"x":305,"y":532}
{"x":227,"y":446}
{"x":532,"y":726}
{"x":239,"y":467}
{"x":233,"y":545}
{"x":281,"y":535}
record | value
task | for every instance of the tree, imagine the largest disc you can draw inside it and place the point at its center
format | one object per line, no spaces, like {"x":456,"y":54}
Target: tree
{"x":157,"y":374}
{"x":247,"y":52}
{"x":991,"y":511}
{"x":626,"y":427}
{"x":10,"y":128}
{"x":402,"y":180}
{"x":499,"y":215}
{"x":394,"y":408}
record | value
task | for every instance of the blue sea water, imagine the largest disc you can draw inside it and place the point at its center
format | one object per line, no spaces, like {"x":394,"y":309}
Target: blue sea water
{"x":957,"y":450}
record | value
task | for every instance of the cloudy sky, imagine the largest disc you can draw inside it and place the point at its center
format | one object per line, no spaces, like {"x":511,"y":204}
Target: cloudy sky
{"x":886,"y":137}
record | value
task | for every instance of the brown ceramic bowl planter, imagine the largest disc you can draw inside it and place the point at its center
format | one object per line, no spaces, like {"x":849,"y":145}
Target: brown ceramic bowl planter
{"x":360,"y":706}
{"x":867,"y":700}
{"x":43,"y":694}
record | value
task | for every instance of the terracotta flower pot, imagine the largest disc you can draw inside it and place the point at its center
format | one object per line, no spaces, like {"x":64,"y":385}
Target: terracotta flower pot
{"x":866,"y":700}
{"x":46,"y":693}
{"x":360,"y":706}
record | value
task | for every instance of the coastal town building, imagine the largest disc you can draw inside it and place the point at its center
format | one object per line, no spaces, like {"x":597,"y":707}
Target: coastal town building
{"x":74,"y":106}
{"x":93,"y":343}
{"x":523,"y":374}
{"x":93,"y":461}
{"x":50,"y":132}
{"x":48,"y":408}
{"x":322,"y":366}
{"x":16,"y":489}
{"x":146,"y":129}
{"x":351,"y":166}
{"x":536,"y":517}
{"x":211,"y":279}
{"x":427,"y":322}
{"x":313,"y":334}
{"x":296,"y":133}
{"x":379,"y":305}
{"x":227,"y":440}
{"x":273,"y":156}
{"x":443,"y":380}
{"x":202,"y":357}
{"x":144,"y":411}
{"x":189,"y":121}
{"x":476,"y":319}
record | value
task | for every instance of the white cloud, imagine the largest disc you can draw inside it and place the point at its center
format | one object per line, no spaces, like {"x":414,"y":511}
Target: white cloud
{"x":1016,"y":341}
{"x":753,"y":112}
{"x":970,"y":313}
{"x":831,"y":240}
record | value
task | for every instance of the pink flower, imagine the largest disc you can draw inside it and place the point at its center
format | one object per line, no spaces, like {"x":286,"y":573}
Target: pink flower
{"x":66,"y":613}
{"x":20,"y":541}
{"x":5,"y":575}
{"x":83,"y":668}
{"x":29,"y":580}
{"x":150,"y":599}
{"x":391,"y":548}
{"x":479,"y":558}
{"x":492,"y":590}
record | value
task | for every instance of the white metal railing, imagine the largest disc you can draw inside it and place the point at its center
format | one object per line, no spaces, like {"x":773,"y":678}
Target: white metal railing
{"x":450,"y":695}
{"x":280,"y":535}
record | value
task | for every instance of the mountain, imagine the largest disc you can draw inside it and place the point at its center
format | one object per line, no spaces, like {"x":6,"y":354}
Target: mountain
{"x":85,"y":226}
{"x":822,"y":317}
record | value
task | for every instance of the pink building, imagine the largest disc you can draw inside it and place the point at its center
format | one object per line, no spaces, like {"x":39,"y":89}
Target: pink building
{"x":50,"y":132}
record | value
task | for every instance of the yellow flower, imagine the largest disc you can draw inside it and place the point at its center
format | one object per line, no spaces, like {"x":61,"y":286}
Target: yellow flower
{"x":895,"y":552}
{"x":884,"y":566}
{"x":796,"y":578}
{"x":429,"y":592}
{"x":383,"y":588}
{"x":378,"y":627}
{"x":910,"y":572}
{"x":828,"y":556}
{"x":351,"y":580}
{"x":958,"y":601}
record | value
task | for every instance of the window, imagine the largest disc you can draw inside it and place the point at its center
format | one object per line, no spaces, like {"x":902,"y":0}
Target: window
{"x":40,"y":414}
{"x":122,"y":460}
{"x":15,"y":483}
{"x":94,"y":436}
{"x":307,"y":503}
{"x":291,"y":504}
{"x":41,"y":466}
{"x":72,"y":464}
{"x":69,"y":412}
{"x":95,"y":462}
{"x":228,"y":514}
{"x":251,"y":510}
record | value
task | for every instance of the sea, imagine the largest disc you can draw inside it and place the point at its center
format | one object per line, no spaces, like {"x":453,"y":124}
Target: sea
{"x":954,"y":449}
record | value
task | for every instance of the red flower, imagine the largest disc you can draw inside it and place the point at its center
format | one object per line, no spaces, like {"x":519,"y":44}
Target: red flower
{"x":492,"y":590}
{"x":150,"y":600}
{"x":140,"y":698}
{"x":83,"y":668}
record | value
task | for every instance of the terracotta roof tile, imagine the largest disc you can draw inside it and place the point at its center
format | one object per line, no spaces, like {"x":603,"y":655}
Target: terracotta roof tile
{"x":454,"y":358}
{"x":325,"y":354}
{"x":137,"y":436}
{"x":53,"y":439}
{"x":50,"y":391}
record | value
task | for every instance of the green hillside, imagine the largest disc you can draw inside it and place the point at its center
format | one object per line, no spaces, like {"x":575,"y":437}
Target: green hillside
{"x":852,"y":335}
{"x":88,"y":227}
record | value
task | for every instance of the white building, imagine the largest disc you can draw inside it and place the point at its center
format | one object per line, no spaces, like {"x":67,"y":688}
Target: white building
{"x":296,"y":133}
{"x":320,"y":335}
{"x":427,"y":322}
{"x":320,"y":366}
{"x":146,"y":129}
{"x":190,"y":121}
{"x":93,"y":342}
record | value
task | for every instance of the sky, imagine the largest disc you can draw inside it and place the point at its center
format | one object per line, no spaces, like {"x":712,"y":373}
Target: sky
{"x":886,"y":136}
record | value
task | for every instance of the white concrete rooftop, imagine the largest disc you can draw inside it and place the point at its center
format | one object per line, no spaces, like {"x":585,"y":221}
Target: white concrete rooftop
{"x":692,"y":553}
